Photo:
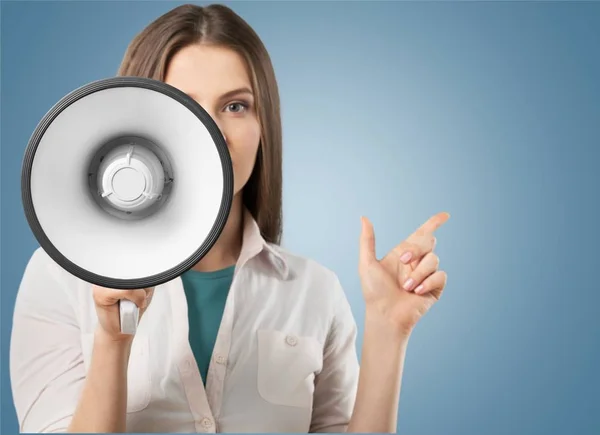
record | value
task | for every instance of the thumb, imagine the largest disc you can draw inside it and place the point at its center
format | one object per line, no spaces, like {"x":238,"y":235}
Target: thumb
{"x":367,"y":243}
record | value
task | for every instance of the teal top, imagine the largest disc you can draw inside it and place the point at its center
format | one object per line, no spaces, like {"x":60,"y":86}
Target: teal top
{"x":206,"y":293}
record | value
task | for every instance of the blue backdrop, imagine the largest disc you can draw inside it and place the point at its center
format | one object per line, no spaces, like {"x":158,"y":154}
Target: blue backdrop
{"x":398,"y":110}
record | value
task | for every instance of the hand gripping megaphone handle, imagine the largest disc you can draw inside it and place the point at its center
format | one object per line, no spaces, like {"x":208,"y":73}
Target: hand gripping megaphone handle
{"x":129,"y":315}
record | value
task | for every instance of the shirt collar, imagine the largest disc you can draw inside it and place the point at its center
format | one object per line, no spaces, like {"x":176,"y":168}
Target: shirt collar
{"x":253,"y":244}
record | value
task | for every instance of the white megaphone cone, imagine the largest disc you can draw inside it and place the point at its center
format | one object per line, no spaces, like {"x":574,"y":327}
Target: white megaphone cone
{"x":127,"y":183}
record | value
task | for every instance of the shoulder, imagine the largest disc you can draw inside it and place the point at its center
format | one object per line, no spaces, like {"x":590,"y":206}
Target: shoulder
{"x":46,"y":279}
{"x":310,"y":275}
{"x":317,"y":293}
{"x":42,"y":266}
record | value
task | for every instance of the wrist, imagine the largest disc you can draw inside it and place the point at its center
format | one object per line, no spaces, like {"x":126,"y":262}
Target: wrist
{"x":109,"y":342}
{"x":380,"y":323}
{"x":384,"y":348}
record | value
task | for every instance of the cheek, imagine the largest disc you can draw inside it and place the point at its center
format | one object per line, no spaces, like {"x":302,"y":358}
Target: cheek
{"x":243,"y":146}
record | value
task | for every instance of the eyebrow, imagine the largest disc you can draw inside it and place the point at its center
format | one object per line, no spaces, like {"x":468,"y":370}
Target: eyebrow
{"x":243,"y":90}
{"x":228,"y":94}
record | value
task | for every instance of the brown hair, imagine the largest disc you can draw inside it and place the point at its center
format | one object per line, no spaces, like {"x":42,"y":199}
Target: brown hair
{"x":149,"y":54}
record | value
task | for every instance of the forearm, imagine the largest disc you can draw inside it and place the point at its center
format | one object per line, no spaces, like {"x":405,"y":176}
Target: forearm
{"x":102,"y":406}
{"x":382,"y":364}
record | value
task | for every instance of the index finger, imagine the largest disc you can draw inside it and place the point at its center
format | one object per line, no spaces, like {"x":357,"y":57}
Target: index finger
{"x":432,"y":224}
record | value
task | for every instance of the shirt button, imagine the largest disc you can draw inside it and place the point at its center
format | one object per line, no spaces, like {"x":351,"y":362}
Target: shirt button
{"x":206,"y":423}
{"x":291,"y":340}
{"x":220,"y":359}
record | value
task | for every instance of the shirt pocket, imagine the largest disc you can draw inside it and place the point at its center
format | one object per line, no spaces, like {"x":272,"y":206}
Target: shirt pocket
{"x":138,"y":370}
{"x":287,"y":365}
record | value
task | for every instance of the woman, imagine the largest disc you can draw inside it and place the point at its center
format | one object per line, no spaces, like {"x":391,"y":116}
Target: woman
{"x":253,"y":338}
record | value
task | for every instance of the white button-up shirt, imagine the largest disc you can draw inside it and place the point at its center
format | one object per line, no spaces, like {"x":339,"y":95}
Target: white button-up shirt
{"x":284,"y":359}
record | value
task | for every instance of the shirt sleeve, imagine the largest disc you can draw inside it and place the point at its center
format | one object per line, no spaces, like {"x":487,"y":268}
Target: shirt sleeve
{"x":336,"y":384}
{"x":46,"y":365}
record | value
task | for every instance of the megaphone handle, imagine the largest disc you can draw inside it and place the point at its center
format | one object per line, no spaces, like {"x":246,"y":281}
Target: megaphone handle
{"x":129,"y":315}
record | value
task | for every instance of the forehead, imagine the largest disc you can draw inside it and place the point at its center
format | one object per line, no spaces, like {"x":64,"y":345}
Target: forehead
{"x":207,"y":71}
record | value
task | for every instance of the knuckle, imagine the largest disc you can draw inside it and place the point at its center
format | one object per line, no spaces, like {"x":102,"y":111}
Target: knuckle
{"x":440,"y":279}
{"x":411,"y":246}
{"x":444,"y":278}
{"x":135,"y":296}
{"x":416,"y":250}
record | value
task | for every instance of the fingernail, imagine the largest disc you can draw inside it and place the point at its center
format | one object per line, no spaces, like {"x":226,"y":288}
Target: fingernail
{"x":408,"y":284}
{"x":419,"y":289}
{"x":405,"y":258}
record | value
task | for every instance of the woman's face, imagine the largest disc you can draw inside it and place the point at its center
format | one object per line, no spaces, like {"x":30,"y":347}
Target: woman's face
{"x":218,"y":80}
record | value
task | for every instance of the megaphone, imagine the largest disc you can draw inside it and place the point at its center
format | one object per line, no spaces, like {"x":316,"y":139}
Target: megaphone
{"x":126,"y":183}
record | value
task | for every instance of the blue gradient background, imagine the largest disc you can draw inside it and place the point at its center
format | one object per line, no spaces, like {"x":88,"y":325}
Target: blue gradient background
{"x":490,"y":111}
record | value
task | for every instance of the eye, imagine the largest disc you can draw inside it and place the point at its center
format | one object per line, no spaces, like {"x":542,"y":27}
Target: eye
{"x":237,"y":107}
